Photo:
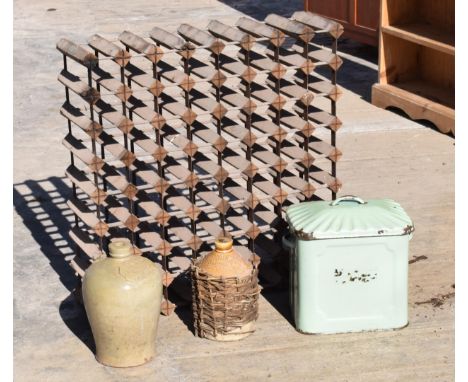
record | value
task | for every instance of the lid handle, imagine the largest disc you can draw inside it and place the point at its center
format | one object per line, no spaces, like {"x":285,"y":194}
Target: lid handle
{"x":347,"y":198}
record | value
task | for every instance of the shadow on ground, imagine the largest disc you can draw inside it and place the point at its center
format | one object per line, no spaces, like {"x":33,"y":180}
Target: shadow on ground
{"x":42,"y":206}
{"x":261,"y":9}
{"x":359,"y":70}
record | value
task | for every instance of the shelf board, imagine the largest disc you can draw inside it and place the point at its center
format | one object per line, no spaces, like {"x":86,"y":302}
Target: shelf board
{"x":418,"y":99}
{"x":433,"y":93}
{"x":424,"y":34}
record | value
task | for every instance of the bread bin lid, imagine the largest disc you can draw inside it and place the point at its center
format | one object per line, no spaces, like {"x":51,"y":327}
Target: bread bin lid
{"x":348,"y":216}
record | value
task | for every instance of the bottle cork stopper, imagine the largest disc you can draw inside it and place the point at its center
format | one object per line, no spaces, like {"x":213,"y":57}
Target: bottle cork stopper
{"x":223,"y":243}
{"x":120,"y":249}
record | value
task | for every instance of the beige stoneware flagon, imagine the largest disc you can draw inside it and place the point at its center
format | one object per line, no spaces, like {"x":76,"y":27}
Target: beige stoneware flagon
{"x":122,"y":297}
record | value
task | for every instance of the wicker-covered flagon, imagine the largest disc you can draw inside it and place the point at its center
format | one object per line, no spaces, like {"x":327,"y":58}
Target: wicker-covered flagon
{"x":224,"y":308}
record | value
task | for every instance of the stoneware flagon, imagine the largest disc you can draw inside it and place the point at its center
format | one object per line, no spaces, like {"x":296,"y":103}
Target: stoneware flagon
{"x":122,"y":297}
{"x":224,"y":263}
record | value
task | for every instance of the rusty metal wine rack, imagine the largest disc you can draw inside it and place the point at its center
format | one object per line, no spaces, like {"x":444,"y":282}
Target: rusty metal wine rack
{"x":175,"y":139}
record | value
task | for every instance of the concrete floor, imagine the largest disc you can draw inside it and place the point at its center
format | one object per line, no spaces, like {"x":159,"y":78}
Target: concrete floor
{"x":385,"y":155}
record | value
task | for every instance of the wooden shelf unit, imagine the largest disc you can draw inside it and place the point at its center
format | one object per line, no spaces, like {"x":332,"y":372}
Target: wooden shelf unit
{"x":360,"y":18}
{"x":417,"y":60}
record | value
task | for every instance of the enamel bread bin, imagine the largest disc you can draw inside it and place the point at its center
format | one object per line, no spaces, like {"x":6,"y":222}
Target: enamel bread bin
{"x":349,"y":265}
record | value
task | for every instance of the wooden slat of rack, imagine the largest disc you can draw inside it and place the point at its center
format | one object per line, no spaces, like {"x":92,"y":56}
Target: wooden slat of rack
{"x":266,"y":126}
{"x":148,"y":114}
{"x":245,"y":72}
{"x":270,"y":159}
{"x":77,"y":53}
{"x":259,"y":29}
{"x":154,"y":239}
{"x":240,"y":134}
{"x":140,"y":45}
{"x":180,"y":141}
{"x":242,"y":164}
{"x":214,"y":200}
{"x":324,"y":177}
{"x":290,"y":27}
{"x":177,"y":109}
{"x":201,"y":37}
{"x":150,"y":177}
{"x":298,"y":154}
{"x":75,"y":116}
{"x":122,"y":213}
{"x":300,"y":184}
{"x":87,"y":216}
{"x":229,"y":33}
{"x":213,"y":228}
{"x":325,"y":119}
{"x":143,"y":79}
{"x":321,"y":118}
{"x":216,"y":171}
{"x":183,"y":204}
{"x":289,"y":58}
{"x":250,"y":229}
{"x":176,"y":76}
{"x":207,"y":72}
{"x":271,"y":219}
{"x":292,"y":90}
{"x":324,"y":149}
{"x":295,"y":91}
{"x":193,"y":241}
{"x":109,"y":49}
{"x":79,"y":178}
{"x":85,"y":243}
{"x":105,"y":79}
{"x":333,"y":60}
{"x":295,"y":122}
{"x":318,"y":22}
{"x":115,"y":148}
{"x":216,"y":109}
{"x":277,"y":194}
{"x":148,"y":144}
{"x":237,"y":100}
{"x":152,"y":208}
{"x":183,"y":174}
{"x":267,"y":95}
{"x":172,"y":41}
{"x":79,"y":87}
{"x":250,"y":200}
{"x":326,"y":88}
{"x":210,"y":136}
{"x":83,"y":153}
{"x":264,"y":63}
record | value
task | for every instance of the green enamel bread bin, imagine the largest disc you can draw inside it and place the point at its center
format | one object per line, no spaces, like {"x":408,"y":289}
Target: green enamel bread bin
{"x":348,"y":265}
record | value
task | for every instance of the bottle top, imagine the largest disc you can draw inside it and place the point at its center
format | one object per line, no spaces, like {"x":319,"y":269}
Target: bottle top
{"x":120,"y":249}
{"x":223,"y":243}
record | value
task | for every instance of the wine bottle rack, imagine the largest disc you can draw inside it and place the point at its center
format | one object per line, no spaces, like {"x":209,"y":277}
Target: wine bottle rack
{"x":175,"y":139}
